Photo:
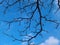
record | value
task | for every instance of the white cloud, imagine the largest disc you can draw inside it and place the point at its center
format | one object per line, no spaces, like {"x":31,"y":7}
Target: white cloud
{"x":28,"y":36}
{"x":24,"y":43}
{"x":55,"y":6}
{"x":51,"y":41}
{"x":56,"y":1}
{"x":32,"y":43}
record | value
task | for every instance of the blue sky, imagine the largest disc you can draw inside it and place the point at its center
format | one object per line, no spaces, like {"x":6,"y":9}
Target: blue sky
{"x":50,"y":38}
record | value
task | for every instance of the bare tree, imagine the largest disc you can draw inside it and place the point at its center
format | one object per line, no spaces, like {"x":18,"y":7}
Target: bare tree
{"x":33,"y":17}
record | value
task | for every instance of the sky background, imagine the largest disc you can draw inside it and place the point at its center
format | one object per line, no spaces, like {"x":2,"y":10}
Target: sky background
{"x":50,"y":38}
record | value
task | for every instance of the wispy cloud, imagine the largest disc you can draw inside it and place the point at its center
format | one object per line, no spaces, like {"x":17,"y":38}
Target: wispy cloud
{"x":51,"y":41}
{"x":24,"y":43}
